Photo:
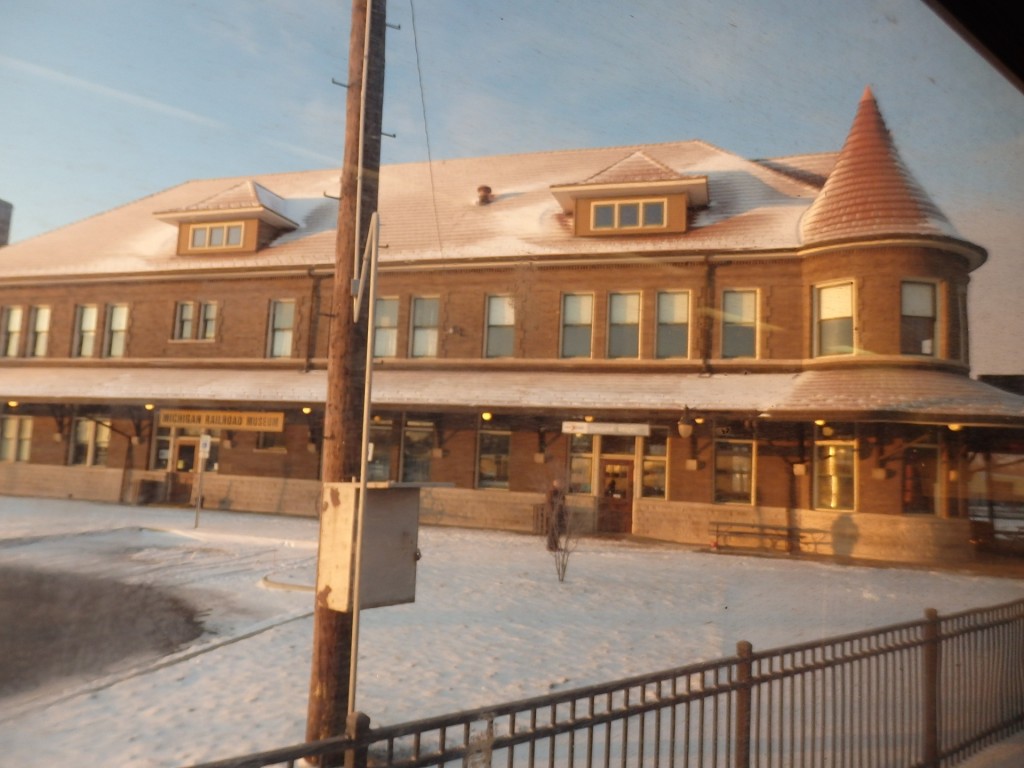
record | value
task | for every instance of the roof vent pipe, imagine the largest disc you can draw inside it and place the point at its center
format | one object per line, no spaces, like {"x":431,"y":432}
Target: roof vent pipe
{"x":483,"y":195}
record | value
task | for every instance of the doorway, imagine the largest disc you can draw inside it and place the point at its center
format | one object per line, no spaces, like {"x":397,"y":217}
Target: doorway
{"x":615,"y":506}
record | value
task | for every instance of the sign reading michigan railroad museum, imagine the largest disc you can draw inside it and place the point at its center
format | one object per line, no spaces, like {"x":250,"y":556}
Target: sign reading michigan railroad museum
{"x":239,"y":421}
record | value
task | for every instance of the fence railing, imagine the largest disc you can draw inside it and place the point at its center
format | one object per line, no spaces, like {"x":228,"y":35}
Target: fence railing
{"x":923,"y":693}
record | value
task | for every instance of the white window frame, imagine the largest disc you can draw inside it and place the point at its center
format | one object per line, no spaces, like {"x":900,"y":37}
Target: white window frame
{"x":827,"y":306}
{"x":499,"y":333}
{"x":423,"y":336}
{"x":584,"y":298}
{"x":934,"y":316}
{"x":741,"y":321}
{"x":86,"y":327}
{"x":15,"y":439}
{"x":39,"y":317}
{"x":624,"y":311}
{"x":281,"y":335}
{"x":12,"y":324}
{"x":385,"y":327}
{"x":115,"y":332}
{"x":92,"y":435}
{"x":666,"y":325}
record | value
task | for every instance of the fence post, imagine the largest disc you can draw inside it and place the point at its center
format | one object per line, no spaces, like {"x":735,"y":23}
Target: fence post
{"x":930,"y":689}
{"x":357,"y":725}
{"x":744,"y":694}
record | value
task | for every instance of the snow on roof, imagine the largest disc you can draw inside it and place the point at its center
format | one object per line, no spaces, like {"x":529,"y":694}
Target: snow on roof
{"x":862,"y":394}
{"x":428,"y":213}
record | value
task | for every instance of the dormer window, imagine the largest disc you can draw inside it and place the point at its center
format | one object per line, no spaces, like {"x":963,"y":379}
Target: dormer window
{"x":636,"y":196}
{"x":628,"y":214}
{"x":216,"y":236}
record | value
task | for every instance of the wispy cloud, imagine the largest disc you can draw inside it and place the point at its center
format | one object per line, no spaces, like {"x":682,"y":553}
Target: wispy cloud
{"x":77,"y":83}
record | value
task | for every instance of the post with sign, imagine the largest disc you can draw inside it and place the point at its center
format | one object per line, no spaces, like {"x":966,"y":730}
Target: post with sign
{"x":204,"y":454}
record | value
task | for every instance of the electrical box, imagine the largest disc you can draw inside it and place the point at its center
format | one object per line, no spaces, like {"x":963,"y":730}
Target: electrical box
{"x":390,"y":544}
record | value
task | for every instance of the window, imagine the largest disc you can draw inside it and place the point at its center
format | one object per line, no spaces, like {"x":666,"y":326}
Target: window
{"x":581,"y":464}
{"x":417,"y":445}
{"x":385,"y":328}
{"x":116,"y":330}
{"x":38,"y":331}
{"x":378,"y":465}
{"x":215,"y":236}
{"x":655,"y":455}
{"x":834,"y":475}
{"x":10,"y":328}
{"x":624,"y":325}
{"x":279,"y":335}
{"x":917,"y":319}
{"x":673,"y":331}
{"x":271,"y":441}
{"x":207,"y":321}
{"x":501,"y":320}
{"x":919,"y":472}
{"x":84,"y":343}
{"x":833,"y":321}
{"x":739,"y":324}
{"x":15,"y":438}
{"x":628,"y":214}
{"x":425,"y":313}
{"x":492,"y":461}
{"x":187,"y":326}
{"x":184,"y":320}
{"x":734,"y":471}
{"x":577,"y":319}
{"x":90,"y":443}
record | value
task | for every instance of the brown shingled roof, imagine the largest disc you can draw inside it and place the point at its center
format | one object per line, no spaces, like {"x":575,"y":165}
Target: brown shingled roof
{"x":870,"y":193}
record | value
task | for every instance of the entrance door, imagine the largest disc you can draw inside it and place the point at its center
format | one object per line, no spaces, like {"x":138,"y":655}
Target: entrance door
{"x":615,"y":507}
{"x":184,"y":463}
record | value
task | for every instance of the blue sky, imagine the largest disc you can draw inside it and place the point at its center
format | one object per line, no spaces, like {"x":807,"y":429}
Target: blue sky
{"x":105,"y":101}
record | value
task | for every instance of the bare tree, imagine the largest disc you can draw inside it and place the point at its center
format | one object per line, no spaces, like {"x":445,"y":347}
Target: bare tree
{"x":561,"y":533}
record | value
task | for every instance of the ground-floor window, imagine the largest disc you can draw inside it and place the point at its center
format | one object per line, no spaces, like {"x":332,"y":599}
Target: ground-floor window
{"x":91,"y":442}
{"x":734,"y":471}
{"x":581,"y":464}
{"x":834,"y":475}
{"x":492,"y":458}
{"x":654,"y":464}
{"x":417,"y":448}
{"x":381,"y":439}
{"x":919,"y":476}
{"x":15,"y":438}
{"x":176,"y":449}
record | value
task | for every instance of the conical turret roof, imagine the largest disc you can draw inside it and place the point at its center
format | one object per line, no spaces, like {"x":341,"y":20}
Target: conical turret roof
{"x":870,"y":193}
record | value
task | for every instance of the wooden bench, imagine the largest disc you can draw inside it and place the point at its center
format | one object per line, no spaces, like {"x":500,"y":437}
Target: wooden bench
{"x":776,"y":537}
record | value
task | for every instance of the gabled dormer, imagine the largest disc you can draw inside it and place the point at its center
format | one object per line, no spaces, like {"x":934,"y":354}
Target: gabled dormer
{"x":635,"y":196}
{"x":240,"y":219}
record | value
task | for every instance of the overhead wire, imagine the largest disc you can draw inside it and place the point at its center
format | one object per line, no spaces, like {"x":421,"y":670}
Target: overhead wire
{"x":426,"y":127}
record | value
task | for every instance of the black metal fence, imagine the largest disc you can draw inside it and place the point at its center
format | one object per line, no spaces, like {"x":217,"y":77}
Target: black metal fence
{"x":923,"y":693}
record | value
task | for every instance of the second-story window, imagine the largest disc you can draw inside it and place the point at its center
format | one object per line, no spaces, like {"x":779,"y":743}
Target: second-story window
{"x":281,"y":328}
{"x":385,"y":328}
{"x":84,"y":340}
{"x":184,"y":319}
{"x":624,"y":325}
{"x":10,"y":331}
{"x":739,"y":324}
{"x":673,"y":331}
{"x":917,"y":318}
{"x":116,"y":334}
{"x":195,"y":321}
{"x":833,"y":320}
{"x":38,"y":331}
{"x":425,"y":314}
{"x":577,"y":324}
{"x":501,"y":320}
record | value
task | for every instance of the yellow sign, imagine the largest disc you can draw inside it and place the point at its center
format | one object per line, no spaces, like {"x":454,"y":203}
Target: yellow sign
{"x":238,"y":421}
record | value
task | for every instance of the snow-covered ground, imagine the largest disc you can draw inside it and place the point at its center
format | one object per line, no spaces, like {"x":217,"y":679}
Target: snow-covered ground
{"x":490,"y":623}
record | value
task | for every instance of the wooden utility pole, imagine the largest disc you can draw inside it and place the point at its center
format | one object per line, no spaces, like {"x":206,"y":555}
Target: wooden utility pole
{"x":330,"y":679}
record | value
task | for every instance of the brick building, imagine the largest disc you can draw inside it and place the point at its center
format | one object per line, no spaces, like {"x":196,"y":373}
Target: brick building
{"x":693,"y":342}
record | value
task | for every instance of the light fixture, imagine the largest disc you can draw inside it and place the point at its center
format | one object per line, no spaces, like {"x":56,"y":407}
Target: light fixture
{"x":486,"y":415}
{"x":819,"y":422}
{"x":149,"y":406}
{"x":589,"y":419}
{"x":12,"y":403}
{"x":685,"y":428}
{"x":955,"y":427}
{"x":699,"y":420}
{"x":307,"y":410}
